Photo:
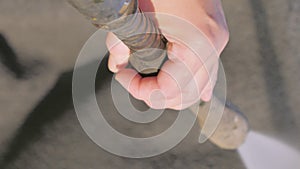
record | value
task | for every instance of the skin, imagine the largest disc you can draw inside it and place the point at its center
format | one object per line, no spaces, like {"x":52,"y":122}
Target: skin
{"x":198,"y":71}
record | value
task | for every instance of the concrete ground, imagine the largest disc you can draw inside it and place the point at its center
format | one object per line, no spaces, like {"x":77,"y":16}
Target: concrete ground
{"x":39,"y":44}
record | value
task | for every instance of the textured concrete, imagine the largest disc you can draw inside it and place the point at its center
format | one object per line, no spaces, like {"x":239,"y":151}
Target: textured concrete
{"x":38,"y":125}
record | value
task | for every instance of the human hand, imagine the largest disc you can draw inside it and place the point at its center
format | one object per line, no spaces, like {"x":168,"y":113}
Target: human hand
{"x":189,"y":74}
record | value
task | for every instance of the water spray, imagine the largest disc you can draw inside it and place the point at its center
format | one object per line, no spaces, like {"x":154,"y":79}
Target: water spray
{"x":125,"y":20}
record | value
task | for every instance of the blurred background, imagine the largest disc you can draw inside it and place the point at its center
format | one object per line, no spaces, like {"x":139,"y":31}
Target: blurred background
{"x":39,"y":44}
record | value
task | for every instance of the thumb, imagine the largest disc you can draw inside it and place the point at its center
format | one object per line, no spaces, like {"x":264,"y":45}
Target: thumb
{"x":119,"y":53}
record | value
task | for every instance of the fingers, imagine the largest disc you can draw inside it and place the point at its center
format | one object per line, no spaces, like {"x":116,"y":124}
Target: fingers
{"x":199,"y":87}
{"x":178,"y":70}
{"x":148,"y":89}
{"x":181,"y":82}
{"x":119,"y":53}
{"x":211,"y":66}
{"x":208,"y":90}
{"x":193,"y":91}
{"x":145,"y":89}
{"x":179,"y":53}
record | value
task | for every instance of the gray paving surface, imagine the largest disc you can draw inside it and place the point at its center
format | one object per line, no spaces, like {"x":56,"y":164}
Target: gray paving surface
{"x":39,"y":128}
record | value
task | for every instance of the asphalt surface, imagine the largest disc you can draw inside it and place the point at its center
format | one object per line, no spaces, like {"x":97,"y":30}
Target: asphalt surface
{"x":39,"y":44}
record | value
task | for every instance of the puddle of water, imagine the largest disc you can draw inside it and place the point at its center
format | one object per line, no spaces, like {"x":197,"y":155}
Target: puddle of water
{"x":262,"y":152}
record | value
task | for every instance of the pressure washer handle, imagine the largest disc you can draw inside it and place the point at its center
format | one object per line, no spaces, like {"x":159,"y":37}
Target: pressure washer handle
{"x":128,"y":23}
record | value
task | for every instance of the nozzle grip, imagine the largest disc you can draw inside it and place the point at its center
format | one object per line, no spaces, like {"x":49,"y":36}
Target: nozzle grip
{"x":146,"y":43}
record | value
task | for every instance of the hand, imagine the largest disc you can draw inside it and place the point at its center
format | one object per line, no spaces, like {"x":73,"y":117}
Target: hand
{"x":189,"y":74}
